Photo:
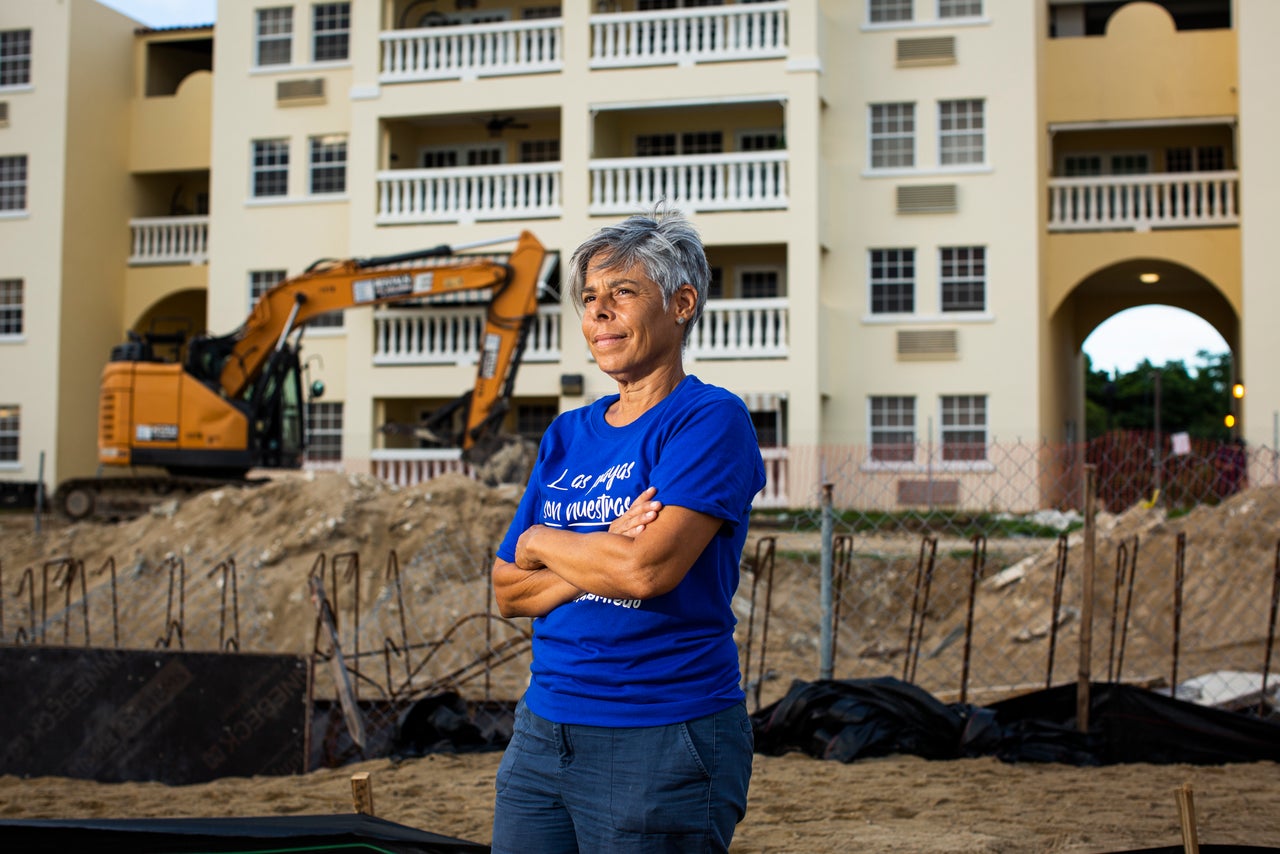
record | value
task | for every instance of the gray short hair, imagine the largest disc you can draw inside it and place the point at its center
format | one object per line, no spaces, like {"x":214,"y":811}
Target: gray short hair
{"x":662,"y":241}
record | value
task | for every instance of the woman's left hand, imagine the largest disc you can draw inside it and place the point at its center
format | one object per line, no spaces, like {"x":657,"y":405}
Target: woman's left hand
{"x":641,"y":512}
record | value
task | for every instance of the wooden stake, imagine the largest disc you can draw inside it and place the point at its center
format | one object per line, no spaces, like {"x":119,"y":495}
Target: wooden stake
{"x":1084,"y":670}
{"x":1187,"y":818}
{"x":362,"y":793}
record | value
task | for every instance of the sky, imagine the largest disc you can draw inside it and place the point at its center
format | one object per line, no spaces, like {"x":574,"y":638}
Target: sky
{"x":1155,"y":332}
{"x":166,"y":13}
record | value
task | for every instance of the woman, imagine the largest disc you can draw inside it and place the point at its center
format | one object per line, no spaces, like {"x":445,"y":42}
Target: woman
{"x":633,"y":734}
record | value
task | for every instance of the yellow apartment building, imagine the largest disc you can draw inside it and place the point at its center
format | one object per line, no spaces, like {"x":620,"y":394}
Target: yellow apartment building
{"x":916,"y":210}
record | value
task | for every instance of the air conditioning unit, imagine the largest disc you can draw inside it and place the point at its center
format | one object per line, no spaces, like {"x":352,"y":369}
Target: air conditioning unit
{"x":931,"y":50}
{"x":294,"y":93}
{"x":928,"y":345}
{"x":927,"y":198}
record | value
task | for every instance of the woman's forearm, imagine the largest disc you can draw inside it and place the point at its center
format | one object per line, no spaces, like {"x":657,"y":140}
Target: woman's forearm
{"x":529,"y":593}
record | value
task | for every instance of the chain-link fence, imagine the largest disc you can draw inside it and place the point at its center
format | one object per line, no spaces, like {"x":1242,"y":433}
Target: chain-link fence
{"x":964,"y":576}
{"x":967,"y":576}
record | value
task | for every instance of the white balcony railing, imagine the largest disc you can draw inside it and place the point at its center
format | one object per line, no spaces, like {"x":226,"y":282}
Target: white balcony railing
{"x":775,"y":493}
{"x":741,"y":329}
{"x":452,"y":336}
{"x":169,"y":240}
{"x":750,"y":180}
{"x":468,"y":52}
{"x":688,"y":36}
{"x":469,"y":194}
{"x":411,"y":466}
{"x":1142,"y":202}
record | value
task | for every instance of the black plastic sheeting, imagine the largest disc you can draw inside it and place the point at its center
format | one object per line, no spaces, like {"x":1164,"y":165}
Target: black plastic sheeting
{"x":333,"y":834}
{"x":853,"y":719}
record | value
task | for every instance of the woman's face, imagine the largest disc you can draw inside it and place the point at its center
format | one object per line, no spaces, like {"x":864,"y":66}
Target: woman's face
{"x":629,"y":332}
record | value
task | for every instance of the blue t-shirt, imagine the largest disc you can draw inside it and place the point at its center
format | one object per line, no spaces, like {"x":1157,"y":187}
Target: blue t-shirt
{"x":672,"y":658}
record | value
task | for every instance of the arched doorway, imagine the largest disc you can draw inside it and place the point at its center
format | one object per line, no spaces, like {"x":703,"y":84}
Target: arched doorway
{"x":1109,"y":291}
{"x":170,"y":322}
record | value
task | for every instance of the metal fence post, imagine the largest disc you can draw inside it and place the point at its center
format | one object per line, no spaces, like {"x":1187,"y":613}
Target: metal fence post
{"x":1086,"y":598}
{"x":827,"y":666}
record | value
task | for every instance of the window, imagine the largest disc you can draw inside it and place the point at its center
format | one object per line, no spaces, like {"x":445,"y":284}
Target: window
{"x":15,"y":57}
{"x":275,"y":36}
{"x":324,"y":432}
{"x":964,"y":427}
{"x":888,"y":11}
{"x":13,"y":183}
{"x":331,"y":28}
{"x":533,"y":419}
{"x":10,"y":423}
{"x":1201,"y":158}
{"x":540,"y":12}
{"x":893,"y":429}
{"x":261,"y":281}
{"x":893,"y":136}
{"x":328,"y":165}
{"x":964,"y":278}
{"x":702,"y":142}
{"x":540,"y":151}
{"x":768,"y":424}
{"x":959,"y":8}
{"x":670,"y":145}
{"x":484,"y":154}
{"x":10,"y":307}
{"x":1081,"y":165}
{"x":893,"y":281}
{"x":270,"y":167}
{"x":760,"y":140}
{"x":962,"y":132}
{"x":656,"y":145}
{"x":715,"y":287}
{"x":758,"y":284}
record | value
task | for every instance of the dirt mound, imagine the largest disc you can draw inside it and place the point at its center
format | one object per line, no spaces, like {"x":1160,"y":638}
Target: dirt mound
{"x":284,"y":519}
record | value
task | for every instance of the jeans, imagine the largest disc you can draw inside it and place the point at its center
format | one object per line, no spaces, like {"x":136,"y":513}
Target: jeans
{"x":572,"y":788}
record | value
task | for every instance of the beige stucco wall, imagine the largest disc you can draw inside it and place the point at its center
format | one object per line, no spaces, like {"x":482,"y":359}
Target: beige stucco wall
{"x":172,"y":132}
{"x":1141,"y":69}
{"x":30,"y":243}
{"x":994,"y":62}
{"x":96,"y":208}
{"x":70,"y":247}
{"x":1259,"y":20}
{"x":288,"y":233}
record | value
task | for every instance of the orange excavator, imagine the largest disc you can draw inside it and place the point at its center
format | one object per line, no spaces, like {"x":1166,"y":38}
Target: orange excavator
{"x":235,"y":402}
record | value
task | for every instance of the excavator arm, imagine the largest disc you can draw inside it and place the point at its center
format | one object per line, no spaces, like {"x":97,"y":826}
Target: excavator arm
{"x":337,"y":285}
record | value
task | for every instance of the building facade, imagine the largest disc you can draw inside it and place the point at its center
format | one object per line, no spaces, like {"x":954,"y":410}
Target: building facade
{"x":916,"y":210}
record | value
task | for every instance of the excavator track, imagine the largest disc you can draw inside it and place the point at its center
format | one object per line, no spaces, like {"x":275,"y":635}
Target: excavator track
{"x":117,"y":499}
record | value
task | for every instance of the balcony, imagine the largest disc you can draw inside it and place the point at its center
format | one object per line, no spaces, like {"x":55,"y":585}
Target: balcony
{"x":471,"y":52}
{"x":407,"y":467}
{"x":1145,"y":202}
{"x":741,"y":329}
{"x":469,"y":194}
{"x":169,"y":240}
{"x":452,"y":336}
{"x":729,"y":329}
{"x":751,"y":180}
{"x":689,"y":36}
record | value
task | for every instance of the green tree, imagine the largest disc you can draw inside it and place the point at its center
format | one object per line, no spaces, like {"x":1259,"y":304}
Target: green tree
{"x":1192,"y":400}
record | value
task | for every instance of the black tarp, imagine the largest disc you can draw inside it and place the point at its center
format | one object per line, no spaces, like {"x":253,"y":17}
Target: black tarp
{"x":333,"y":834}
{"x":169,"y":716}
{"x":852,"y":719}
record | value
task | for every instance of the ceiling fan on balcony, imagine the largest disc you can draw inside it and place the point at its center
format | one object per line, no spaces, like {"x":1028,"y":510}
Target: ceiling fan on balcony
{"x":497,"y":124}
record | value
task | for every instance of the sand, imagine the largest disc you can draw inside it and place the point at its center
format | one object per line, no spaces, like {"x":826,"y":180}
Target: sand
{"x":797,"y":803}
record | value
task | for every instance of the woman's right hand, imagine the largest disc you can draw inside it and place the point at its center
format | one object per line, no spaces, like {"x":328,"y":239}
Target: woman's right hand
{"x":641,"y":512}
